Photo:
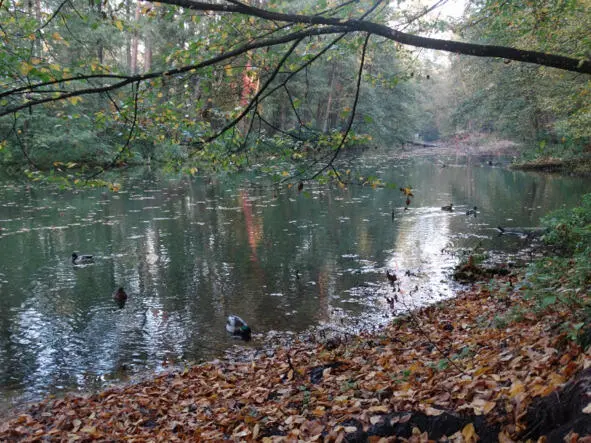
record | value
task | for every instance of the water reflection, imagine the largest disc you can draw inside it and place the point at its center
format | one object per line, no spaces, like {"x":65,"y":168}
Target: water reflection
{"x":190,"y":251}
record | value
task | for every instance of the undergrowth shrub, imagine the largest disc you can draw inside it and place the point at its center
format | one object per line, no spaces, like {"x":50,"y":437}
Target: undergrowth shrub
{"x":563,"y":281}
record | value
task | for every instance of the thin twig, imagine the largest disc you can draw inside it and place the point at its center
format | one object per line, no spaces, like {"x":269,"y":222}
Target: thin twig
{"x":254,"y":100}
{"x":353,"y":111}
{"x":62,"y":4}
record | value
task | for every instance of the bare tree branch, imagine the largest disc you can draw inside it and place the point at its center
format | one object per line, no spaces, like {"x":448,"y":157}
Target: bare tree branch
{"x":56,"y":12}
{"x":21,"y":144}
{"x":472,"y":49}
{"x":250,"y":105}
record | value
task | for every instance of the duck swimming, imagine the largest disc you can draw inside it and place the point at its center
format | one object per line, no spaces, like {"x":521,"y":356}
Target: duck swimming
{"x":238,"y":327}
{"x":472,"y":211}
{"x":81,"y":259}
{"x":119,"y":295}
{"x":448,"y":208}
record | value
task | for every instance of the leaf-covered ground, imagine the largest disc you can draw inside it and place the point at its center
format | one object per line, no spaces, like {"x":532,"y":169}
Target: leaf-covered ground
{"x":461,"y":357}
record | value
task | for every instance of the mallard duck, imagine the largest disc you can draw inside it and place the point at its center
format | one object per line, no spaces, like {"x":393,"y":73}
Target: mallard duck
{"x":81,"y":259}
{"x":119,"y":295}
{"x":472,"y":211}
{"x":448,"y":208}
{"x":238,"y":327}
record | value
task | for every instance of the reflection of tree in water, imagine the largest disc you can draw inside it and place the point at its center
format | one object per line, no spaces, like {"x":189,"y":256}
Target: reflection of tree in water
{"x":418,"y":259}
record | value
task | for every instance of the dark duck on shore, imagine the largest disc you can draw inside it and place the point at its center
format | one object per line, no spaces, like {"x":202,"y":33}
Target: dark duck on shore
{"x":391,"y":277}
{"x":119,"y":295}
{"x":81,"y":259}
{"x":448,"y":208}
{"x":238,"y":327}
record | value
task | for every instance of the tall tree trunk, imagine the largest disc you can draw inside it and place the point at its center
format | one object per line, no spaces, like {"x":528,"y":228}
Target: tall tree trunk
{"x":135,"y":43}
{"x":34,"y":9}
{"x":99,"y":43}
{"x":148,"y":53}
{"x":128,"y":41}
{"x":331,"y":86}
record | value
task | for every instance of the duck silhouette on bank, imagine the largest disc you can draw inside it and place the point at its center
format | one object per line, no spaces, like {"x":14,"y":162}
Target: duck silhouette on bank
{"x":448,"y":208}
{"x":238,"y":327}
{"x":391,"y":277}
{"x":120,"y":297}
{"x":82,"y":259}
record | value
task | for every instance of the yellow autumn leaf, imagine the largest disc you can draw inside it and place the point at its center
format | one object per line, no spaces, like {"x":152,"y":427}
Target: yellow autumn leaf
{"x":56,"y":36}
{"x":482,"y":369}
{"x":319,"y":412}
{"x":35,"y":60}
{"x":285,"y":174}
{"x":119,"y":24}
{"x":74,"y":100}
{"x":516,"y":388}
{"x":469,"y":433}
{"x":228,"y":69}
{"x":25,"y":68}
{"x":482,"y":406}
{"x":89,"y":430}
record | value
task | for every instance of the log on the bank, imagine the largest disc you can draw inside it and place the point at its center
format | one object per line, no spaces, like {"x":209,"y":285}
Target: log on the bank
{"x":523,"y":232}
{"x":423,"y":145}
{"x":565,"y":410}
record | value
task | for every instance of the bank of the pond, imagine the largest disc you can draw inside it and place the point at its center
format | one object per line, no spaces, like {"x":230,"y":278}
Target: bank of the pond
{"x":576,"y":166}
{"x":469,"y":368}
{"x":476,"y":144}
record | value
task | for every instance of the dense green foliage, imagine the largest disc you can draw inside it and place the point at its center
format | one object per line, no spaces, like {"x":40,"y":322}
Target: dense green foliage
{"x":168,"y":118}
{"x":563,"y":279}
{"x":547,"y":109}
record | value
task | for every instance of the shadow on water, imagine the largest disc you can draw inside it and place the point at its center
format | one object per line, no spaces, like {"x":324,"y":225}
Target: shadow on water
{"x":188,"y":252}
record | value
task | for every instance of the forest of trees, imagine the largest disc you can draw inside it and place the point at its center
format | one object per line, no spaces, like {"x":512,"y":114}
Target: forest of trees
{"x":225,"y":83}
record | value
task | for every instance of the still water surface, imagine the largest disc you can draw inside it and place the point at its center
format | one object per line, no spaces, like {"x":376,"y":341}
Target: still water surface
{"x":190,"y":251}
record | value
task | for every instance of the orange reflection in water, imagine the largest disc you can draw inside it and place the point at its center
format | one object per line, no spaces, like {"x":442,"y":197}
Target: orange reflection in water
{"x":254,"y":225}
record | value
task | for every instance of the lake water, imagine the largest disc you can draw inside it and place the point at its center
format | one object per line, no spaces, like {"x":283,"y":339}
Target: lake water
{"x":190,"y":251}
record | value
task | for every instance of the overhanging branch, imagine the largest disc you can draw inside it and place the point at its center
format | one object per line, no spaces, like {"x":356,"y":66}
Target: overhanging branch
{"x":472,"y":49}
{"x":295,"y":36}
